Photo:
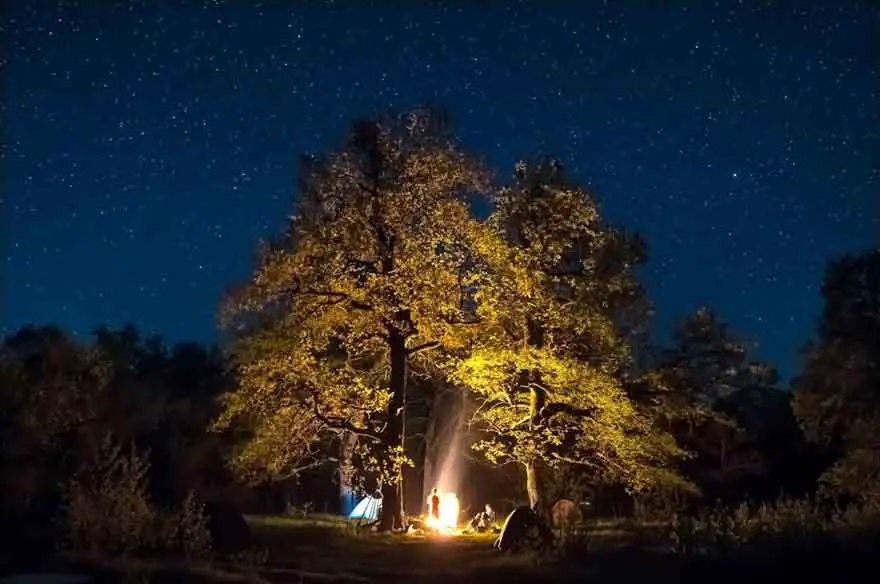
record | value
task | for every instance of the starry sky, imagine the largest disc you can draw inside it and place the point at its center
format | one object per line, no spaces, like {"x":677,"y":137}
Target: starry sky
{"x":149,"y":145}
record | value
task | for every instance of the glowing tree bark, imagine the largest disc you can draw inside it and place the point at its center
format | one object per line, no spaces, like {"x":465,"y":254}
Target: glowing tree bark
{"x":374,"y":269}
{"x":345,"y":472}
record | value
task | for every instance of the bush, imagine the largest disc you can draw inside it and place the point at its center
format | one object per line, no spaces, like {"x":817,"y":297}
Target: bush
{"x":787,"y":527}
{"x":184,"y":530}
{"x":107,"y":510}
{"x":858,"y":527}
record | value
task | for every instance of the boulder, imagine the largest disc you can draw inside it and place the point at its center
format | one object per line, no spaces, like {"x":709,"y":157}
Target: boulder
{"x":230,"y":533}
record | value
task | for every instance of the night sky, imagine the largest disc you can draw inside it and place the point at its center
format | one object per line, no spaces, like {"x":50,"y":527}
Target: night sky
{"x":147,"y":148}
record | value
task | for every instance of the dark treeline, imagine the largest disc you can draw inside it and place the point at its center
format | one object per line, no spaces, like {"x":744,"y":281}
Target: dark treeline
{"x":381,"y":328}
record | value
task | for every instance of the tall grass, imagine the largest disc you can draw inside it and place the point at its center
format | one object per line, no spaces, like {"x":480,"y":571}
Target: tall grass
{"x":784,"y":528}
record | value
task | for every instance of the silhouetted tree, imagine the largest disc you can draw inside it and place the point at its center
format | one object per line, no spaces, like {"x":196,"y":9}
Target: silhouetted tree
{"x":164,"y":401}
{"x":52,"y":389}
{"x":837,"y":397}
{"x":784,"y":462}
{"x":186,"y":456}
{"x":62,"y":399}
{"x":709,"y":392}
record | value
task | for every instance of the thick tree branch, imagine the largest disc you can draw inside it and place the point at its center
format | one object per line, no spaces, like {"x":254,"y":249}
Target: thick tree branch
{"x":342,"y":425}
{"x":360,"y":305}
{"x":585,"y":461}
{"x":314,"y":464}
{"x":337,"y":297}
{"x":575,"y":461}
{"x":556,"y":408}
{"x":422,"y":347}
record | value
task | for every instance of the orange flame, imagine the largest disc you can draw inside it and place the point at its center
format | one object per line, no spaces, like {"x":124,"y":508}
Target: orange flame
{"x":447,"y":522}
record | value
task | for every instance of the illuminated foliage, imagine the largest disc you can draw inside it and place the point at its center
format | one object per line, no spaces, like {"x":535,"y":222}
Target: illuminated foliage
{"x":547,"y":366}
{"x":376,"y":270}
{"x":586,"y":417}
{"x":384,"y":262}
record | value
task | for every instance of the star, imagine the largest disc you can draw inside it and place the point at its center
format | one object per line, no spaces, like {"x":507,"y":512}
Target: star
{"x":150,"y":149}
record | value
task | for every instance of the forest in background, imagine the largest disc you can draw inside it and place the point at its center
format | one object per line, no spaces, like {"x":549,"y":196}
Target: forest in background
{"x":387,"y":320}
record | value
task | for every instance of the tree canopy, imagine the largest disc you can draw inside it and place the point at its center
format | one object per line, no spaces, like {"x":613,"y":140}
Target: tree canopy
{"x":706,"y":389}
{"x":546,"y":370}
{"x":534,"y":311}
{"x":375,"y":268}
{"x":837,"y":397}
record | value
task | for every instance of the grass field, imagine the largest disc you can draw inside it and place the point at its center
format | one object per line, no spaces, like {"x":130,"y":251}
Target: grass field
{"x":326,"y":549}
{"x":323,"y":549}
{"x":330,"y":550}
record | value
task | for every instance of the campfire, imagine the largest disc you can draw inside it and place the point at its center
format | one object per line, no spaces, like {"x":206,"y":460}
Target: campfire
{"x":447,"y":522}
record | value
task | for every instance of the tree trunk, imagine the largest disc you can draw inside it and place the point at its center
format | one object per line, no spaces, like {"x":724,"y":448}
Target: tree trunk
{"x":392,"y":508}
{"x":430,"y":462}
{"x":392,"y":491}
{"x":533,"y":484}
{"x":533,"y":479}
{"x":537,"y":400}
{"x":722,"y":459}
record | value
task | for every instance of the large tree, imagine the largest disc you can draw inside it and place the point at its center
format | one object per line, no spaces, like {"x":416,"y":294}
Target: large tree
{"x":375,"y":269}
{"x":837,"y":397}
{"x":547,"y":370}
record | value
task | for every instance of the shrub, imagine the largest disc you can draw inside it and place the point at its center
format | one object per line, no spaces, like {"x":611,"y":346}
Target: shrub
{"x":858,"y":527}
{"x":787,"y":527}
{"x":183,"y":530}
{"x":107,"y":510}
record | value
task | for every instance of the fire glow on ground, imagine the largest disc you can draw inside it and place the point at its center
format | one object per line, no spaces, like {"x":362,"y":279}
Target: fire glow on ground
{"x":446,"y":522}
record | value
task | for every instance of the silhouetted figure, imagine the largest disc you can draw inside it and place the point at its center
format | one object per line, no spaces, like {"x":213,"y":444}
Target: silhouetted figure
{"x":490,"y":514}
{"x":483,"y":521}
{"x":435,"y":504}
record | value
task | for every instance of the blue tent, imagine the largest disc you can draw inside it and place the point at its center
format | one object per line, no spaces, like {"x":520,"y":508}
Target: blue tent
{"x":347,"y":501}
{"x":367,"y":509}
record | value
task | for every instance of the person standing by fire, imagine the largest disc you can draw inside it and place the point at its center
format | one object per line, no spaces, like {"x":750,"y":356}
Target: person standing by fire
{"x":434,"y":502}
